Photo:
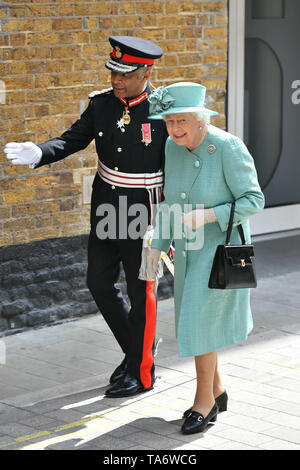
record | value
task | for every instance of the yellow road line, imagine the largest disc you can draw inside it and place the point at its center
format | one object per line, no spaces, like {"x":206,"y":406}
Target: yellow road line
{"x":32,"y":436}
{"x":288,"y":372}
{"x":63,"y":427}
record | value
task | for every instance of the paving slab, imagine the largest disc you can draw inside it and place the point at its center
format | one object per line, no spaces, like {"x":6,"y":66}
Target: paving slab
{"x":53,"y":381}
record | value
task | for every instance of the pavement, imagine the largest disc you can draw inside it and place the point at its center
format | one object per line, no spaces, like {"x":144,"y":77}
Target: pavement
{"x":53,"y":379}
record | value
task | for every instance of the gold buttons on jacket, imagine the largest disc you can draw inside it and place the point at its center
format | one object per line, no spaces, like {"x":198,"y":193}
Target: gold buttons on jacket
{"x":197,"y":164}
{"x":116,"y":168}
{"x":100,"y":134}
{"x":113,"y":187}
{"x":119,"y":149}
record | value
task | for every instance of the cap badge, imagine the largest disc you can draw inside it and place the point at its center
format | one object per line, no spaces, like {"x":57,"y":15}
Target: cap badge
{"x":118,"y":52}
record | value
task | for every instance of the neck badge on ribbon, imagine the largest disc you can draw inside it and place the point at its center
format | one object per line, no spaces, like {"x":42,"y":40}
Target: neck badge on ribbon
{"x":126,"y":119}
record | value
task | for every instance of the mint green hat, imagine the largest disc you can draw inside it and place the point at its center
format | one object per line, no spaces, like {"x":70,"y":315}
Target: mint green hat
{"x":183,"y":97}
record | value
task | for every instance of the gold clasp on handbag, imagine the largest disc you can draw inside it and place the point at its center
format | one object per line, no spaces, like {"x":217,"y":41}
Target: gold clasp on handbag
{"x":243,"y":263}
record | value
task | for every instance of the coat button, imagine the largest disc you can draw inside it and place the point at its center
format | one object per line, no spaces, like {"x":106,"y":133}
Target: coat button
{"x":119,"y":149}
{"x":113,"y":187}
{"x":100,"y":134}
{"x":116,"y":168}
{"x":197,"y":164}
{"x":183,"y":195}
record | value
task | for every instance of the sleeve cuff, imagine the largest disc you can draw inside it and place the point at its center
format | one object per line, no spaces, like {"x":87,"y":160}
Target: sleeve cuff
{"x":162,"y":245}
{"x":223,"y":214}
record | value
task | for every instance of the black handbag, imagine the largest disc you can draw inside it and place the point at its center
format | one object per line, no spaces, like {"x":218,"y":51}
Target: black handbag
{"x":234,"y":265}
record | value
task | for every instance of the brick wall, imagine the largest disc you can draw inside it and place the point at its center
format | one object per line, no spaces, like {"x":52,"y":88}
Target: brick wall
{"x":52,"y":55}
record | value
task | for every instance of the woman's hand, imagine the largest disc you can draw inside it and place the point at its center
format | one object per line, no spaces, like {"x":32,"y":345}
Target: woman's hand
{"x":152,"y":262}
{"x":198,"y":217}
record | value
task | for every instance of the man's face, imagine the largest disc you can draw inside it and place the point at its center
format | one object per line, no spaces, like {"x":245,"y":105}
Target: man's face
{"x":130,"y":84}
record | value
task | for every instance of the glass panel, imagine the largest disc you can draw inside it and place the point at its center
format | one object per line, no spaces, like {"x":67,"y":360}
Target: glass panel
{"x":267,"y":9}
{"x":263,"y":107}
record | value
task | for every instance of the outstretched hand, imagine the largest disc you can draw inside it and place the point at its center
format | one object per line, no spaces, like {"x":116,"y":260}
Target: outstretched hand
{"x":26,"y":153}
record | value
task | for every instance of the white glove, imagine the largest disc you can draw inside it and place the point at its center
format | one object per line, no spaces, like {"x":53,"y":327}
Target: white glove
{"x":148,"y":237}
{"x":198,"y":217}
{"x":152,"y":262}
{"x":26,"y":153}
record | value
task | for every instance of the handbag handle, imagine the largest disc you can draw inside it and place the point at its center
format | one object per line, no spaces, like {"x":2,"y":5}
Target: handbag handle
{"x":239,"y":227}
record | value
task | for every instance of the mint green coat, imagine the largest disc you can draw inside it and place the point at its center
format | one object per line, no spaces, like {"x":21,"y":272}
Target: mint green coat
{"x":219,"y":171}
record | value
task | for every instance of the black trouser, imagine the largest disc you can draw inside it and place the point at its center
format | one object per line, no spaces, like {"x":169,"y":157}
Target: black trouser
{"x":133,"y":327}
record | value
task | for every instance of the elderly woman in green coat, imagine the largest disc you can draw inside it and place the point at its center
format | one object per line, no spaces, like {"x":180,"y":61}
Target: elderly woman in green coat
{"x":206,"y":169}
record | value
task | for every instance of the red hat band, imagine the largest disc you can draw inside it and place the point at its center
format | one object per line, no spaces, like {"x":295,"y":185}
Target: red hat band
{"x":130,"y":59}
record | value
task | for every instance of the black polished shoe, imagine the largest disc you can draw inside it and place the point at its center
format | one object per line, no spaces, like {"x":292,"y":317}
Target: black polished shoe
{"x":195,"y":422}
{"x":119,"y":373}
{"x":126,"y":387}
{"x":221,"y":401}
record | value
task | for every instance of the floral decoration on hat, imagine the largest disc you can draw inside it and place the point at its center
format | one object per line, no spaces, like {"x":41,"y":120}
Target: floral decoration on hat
{"x":160,"y":99}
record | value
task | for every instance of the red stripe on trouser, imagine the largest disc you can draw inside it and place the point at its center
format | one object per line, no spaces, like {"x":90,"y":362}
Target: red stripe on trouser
{"x":149,"y":335}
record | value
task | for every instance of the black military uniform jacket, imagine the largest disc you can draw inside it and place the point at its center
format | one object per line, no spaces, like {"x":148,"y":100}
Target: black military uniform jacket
{"x":121,"y":151}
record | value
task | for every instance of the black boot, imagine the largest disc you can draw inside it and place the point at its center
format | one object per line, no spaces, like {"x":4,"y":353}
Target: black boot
{"x":127,"y":386}
{"x":119,"y":373}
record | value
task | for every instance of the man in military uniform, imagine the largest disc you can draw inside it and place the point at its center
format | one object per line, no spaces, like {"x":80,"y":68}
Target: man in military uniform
{"x":131,"y":158}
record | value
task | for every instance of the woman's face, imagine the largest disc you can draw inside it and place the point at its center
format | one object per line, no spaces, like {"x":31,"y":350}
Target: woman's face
{"x":184,"y":129}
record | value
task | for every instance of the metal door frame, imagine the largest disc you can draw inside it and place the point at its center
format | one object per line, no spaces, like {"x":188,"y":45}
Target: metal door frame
{"x":274,"y":219}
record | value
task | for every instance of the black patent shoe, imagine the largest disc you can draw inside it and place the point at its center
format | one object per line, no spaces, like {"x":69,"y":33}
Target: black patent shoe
{"x":127,"y":386}
{"x":221,"y":401}
{"x":119,"y":373}
{"x":195,"y":422}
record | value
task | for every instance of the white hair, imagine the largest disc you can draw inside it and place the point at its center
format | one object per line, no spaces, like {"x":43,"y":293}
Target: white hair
{"x":202,"y":115}
{"x":142,"y":71}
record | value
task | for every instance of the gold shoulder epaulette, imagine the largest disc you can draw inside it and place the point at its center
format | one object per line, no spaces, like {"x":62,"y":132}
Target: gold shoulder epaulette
{"x":101,"y":92}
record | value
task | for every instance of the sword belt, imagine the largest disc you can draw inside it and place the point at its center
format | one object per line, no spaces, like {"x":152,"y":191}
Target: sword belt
{"x":152,"y":182}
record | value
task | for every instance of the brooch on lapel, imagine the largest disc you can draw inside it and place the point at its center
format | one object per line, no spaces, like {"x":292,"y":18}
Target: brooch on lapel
{"x":211,"y":148}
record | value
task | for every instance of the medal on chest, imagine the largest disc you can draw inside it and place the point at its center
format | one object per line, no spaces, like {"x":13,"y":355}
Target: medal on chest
{"x":146,"y":134}
{"x":126,"y":117}
{"x":124,"y":121}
